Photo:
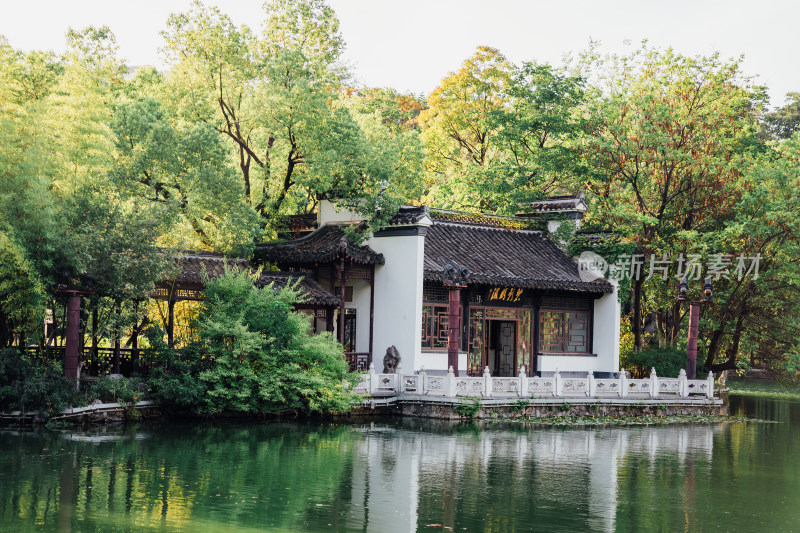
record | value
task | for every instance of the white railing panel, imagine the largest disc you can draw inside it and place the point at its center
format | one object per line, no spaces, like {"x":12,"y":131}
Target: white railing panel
{"x":410,"y":383}
{"x":435,"y":386}
{"x":549,"y":387}
{"x":541,"y":387}
{"x":575,"y":386}
{"x":607,"y":388}
{"x":363,"y":385}
{"x":697,"y":386}
{"x":505,"y":386}
{"x":386,"y":383}
{"x":638,"y":387}
{"x":469,"y":386}
{"x":669,"y":386}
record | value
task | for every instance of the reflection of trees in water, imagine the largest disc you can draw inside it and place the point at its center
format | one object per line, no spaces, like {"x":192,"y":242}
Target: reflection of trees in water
{"x":399,"y":476}
{"x":270,"y":475}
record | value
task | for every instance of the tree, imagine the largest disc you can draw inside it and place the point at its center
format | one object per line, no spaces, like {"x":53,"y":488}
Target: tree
{"x":185,"y":168}
{"x":757,"y":314}
{"x":29,"y":225}
{"x":499,"y":135}
{"x":784,"y":121}
{"x":668,"y":133}
{"x":274,"y":97}
{"x":459,"y":129}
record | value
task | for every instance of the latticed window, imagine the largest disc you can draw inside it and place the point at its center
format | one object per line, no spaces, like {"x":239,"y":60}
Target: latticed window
{"x":475,"y":355}
{"x":563,"y":331}
{"x":350,"y":330}
{"x":434,"y":327}
{"x":434,"y":292}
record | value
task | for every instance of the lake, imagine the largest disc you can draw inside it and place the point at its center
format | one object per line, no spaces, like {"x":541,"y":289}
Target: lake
{"x":397,"y":475}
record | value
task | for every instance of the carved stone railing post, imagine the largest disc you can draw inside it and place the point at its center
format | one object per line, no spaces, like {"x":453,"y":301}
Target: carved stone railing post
{"x":399,"y":381}
{"x":623,"y":383}
{"x":653,"y":383}
{"x":558,"y":387}
{"x":422,"y":386}
{"x":592,"y":387}
{"x":523,"y":383}
{"x":683,"y":385}
{"x":710,"y":385}
{"x":450,"y":383}
{"x":373,"y":379}
{"x":487,"y":383}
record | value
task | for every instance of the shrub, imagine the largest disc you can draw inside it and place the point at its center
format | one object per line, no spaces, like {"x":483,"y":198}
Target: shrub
{"x":668,"y":362}
{"x":254,"y":355}
{"x":468,"y":408}
{"x":33,"y":385}
{"x":121,"y":390}
{"x":173,"y":382}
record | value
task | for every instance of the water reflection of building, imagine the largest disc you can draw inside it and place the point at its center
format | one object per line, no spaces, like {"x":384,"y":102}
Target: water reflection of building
{"x":499,"y":480}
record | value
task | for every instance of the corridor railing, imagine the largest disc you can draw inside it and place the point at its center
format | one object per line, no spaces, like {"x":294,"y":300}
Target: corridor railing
{"x":523,"y":386}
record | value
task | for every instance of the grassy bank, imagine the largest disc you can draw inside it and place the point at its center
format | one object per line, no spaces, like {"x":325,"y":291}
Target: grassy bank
{"x":765,"y":389}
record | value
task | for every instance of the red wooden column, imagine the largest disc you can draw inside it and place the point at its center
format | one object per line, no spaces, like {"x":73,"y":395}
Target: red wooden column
{"x":691,"y":349}
{"x":371,"y":309}
{"x":73,"y":336}
{"x":453,"y":326}
{"x":342,"y":281}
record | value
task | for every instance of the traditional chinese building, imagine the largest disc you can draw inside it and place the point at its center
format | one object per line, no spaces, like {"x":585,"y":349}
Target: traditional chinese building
{"x":518,"y":298}
{"x":187,"y":283}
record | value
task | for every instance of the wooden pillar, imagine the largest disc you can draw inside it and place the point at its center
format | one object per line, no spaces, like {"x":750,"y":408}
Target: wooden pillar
{"x":117,"y":343}
{"x":371,"y":310}
{"x":135,"y":341}
{"x":533,"y":367}
{"x":465,"y":298}
{"x":329,"y":319}
{"x":95,"y":318}
{"x":342,"y":281}
{"x":691,"y":349}
{"x":73,"y":332}
{"x":453,"y":329}
{"x":171,"y":322}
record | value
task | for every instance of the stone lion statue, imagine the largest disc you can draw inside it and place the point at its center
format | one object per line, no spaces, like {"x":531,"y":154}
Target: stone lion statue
{"x":391,"y":360}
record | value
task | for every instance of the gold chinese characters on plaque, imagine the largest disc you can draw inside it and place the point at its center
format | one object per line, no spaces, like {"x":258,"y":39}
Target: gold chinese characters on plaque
{"x":505,"y":294}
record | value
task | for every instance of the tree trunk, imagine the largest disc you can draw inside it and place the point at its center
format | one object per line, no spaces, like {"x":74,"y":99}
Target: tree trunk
{"x":117,"y":354}
{"x":636,"y":322}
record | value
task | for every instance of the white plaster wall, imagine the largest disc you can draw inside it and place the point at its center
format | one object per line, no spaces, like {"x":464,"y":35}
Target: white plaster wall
{"x":568,"y":363}
{"x":328,"y":213}
{"x":438,"y":361}
{"x":361,"y":304}
{"x":606,"y":331}
{"x":398,"y":298}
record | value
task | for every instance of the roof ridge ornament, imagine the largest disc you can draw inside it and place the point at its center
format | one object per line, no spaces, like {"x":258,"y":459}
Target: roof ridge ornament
{"x":454,"y":274}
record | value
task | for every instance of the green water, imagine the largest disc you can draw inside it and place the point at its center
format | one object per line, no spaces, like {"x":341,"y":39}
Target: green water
{"x":394,"y":475}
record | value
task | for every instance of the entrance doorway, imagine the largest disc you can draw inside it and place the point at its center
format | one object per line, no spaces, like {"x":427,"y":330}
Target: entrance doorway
{"x":501,"y":353}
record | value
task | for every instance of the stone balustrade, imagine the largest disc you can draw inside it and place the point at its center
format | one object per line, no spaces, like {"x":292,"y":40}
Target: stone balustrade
{"x":523,"y":386}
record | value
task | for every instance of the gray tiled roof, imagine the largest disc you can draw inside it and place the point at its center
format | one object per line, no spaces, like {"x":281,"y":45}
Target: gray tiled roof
{"x":193,"y":267}
{"x":503,"y":257}
{"x":325,"y":245}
